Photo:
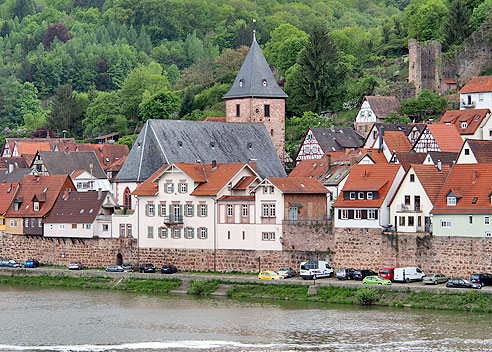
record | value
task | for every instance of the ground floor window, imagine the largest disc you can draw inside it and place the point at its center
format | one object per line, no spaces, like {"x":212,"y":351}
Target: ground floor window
{"x":268,"y":236}
{"x":445,"y":223}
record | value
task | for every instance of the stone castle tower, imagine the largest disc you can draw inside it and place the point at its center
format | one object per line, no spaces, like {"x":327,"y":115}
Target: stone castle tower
{"x":424,"y":62}
{"x":255,"y":96}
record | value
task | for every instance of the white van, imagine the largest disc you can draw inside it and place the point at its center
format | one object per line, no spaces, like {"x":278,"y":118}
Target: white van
{"x":408,"y":274}
{"x":315,"y":269}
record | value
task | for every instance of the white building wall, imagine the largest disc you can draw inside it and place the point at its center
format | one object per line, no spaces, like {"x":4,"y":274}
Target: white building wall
{"x":480,"y":100}
{"x":466,"y":159}
{"x":365,"y":113}
{"x":119,"y":188}
{"x":56,"y":230}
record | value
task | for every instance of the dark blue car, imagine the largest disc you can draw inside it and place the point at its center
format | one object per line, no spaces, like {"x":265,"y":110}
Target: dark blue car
{"x":31,"y":263}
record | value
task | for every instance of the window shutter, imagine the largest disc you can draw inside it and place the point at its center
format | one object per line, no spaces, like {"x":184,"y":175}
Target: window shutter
{"x":192,"y":232}
{"x":206,"y":210}
{"x":206,"y":232}
{"x":172,"y":187}
{"x":198,"y":210}
{"x":192,"y":210}
{"x":170,"y":210}
{"x":146,"y":210}
{"x":179,"y":232}
{"x":181,"y":210}
{"x":186,"y":188}
{"x":159,"y":206}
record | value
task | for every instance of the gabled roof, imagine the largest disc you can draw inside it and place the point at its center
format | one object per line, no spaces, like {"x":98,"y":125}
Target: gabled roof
{"x":397,"y":141}
{"x":383,"y":106}
{"x":477,"y":85}
{"x":32,"y":187}
{"x":17,"y":161}
{"x":15,"y":176}
{"x":314,"y":168}
{"x":337,"y":139}
{"x":253,"y":73}
{"x":106,"y":153}
{"x":169,"y":141}
{"x":297,"y":185}
{"x":373,"y":177}
{"x":444,"y":157}
{"x":116,"y":166}
{"x":482,"y":150}
{"x":58,"y":163}
{"x":244,"y":182}
{"x":150,"y":186}
{"x":51,"y":141}
{"x":335,"y":175}
{"x":407,"y":158}
{"x":431,"y":178}
{"x":467,"y":182}
{"x":7,"y":193}
{"x":77,"y":208}
{"x":237,"y":198}
{"x":31,"y":148}
{"x":472,"y":117}
{"x":447,"y":137}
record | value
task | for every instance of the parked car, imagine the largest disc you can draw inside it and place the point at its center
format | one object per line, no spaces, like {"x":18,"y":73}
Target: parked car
{"x":115,"y":269}
{"x":315,"y":269}
{"x":345,"y":274}
{"x":270,"y":275}
{"x":408,"y":274}
{"x":286,"y":272}
{"x":168,"y":269}
{"x":127,"y":267}
{"x":484,"y":279}
{"x":376,"y":280}
{"x":387,"y":273}
{"x":75,"y":265}
{"x":10,"y":263}
{"x":434,"y":279}
{"x":462,"y":283}
{"x":361,"y":274}
{"x":31,"y":263}
{"x":147,"y":268}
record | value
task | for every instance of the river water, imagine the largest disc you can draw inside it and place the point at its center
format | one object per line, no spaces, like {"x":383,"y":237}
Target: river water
{"x":87,"y":320}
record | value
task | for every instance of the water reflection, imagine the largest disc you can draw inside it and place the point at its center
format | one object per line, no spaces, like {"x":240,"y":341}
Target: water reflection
{"x":74,"y":320}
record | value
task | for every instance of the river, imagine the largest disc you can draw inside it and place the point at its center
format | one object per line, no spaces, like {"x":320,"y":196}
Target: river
{"x":90,"y":320}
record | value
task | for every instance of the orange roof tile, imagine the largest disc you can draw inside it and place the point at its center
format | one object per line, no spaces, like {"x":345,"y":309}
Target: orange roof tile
{"x":31,"y":148}
{"x":244,"y":182}
{"x":298,"y":185}
{"x":314,"y":168}
{"x":7,"y":193}
{"x":76,"y":173}
{"x":44,"y":188}
{"x":150,"y":186}
{"x":375,"y":177}
{"x":467,"y":181}
{"x":431,"y":178}
{"x":449,"y":81}
{"x":397,"y":141}
{"x":236,"y":198}
{"x":116,"y":166}
{"x":447,"y":137}
{"x":482,"y":150}
{"x":217,"y":178}
{"x":472,"y":117}
{"x":106,"y":153}
{"x":478,"y":84}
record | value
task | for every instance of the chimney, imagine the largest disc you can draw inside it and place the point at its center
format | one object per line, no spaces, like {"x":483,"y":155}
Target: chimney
{"x":66,"y":193}
{"x":475,"y":176}
{"x":380,"y":138}
{"x":11,"y":168}
{"x":99,"y":193}
{"x":214,"y":164}
{"x":439,"y":166}
{"x":328,"y":161}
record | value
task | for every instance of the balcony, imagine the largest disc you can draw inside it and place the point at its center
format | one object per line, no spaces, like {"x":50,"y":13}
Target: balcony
{"x":403,"y":208}
{"x":173,"y":219}
{"x":468,"y":105}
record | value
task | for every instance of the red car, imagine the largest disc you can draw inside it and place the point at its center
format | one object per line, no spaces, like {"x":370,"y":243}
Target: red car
{"x":387,"y":273}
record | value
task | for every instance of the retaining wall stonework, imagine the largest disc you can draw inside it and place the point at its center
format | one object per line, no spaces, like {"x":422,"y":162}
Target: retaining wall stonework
{"x":359,"y":248}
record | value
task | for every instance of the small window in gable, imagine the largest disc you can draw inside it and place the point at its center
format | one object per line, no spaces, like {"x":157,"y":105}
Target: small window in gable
{"x":352,"y":195}
{"x":467,"y":151}
{"x":264,"y":82}
{"x":241,"y":82}
{"x":369,"y":195}
{"x":474,"y":201}
{"x":412,"y":178}
{"x":361,"y":195}
{"x":451,"y":200}
{"x":464,"y":124}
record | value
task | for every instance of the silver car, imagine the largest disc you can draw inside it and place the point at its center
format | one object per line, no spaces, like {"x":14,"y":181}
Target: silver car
{"x":286,"y":272}
{"x":434,"y":279}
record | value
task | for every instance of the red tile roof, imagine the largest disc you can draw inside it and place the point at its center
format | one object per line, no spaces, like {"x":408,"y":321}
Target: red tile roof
{"x":408,"y":158}
{"x":215,"y":119}
{"x":314,"y":168}
{"x":31,"y":148}
{"x":375,"y":177}
{"x":43,"y":188}
{"x":116,"y":166}
{"x":237,"y":198}
{"x":7,"y":193}
{"x":472,"y":117}
{"x":298,"y":185}
{"x":467,"y":181}
{"x":397,"y":141}
{"x":77,"y":208}
{"x":431,"y":179}
{"x":106,"y":153}
{"x":383,"y":106}
{"x":244,"y":182}
{"x":477,"y":85}
{"x":449,"y":81}
{"x":447,"y":137}
{"x":217,"y":178}
{"x":150,"y":186}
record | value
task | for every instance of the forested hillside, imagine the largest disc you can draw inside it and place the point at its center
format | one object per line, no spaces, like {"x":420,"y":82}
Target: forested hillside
{"x":90,"y":67}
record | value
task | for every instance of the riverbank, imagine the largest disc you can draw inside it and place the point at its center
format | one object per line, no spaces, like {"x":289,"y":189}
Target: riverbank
{"x":247,"y":287}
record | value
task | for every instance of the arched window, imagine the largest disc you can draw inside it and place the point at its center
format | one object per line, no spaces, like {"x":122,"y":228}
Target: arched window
{"x":127,"y":198}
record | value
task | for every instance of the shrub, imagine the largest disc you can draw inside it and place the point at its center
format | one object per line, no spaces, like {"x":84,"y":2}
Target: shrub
{"x":366,"y":296}
{"x":202,"y":288}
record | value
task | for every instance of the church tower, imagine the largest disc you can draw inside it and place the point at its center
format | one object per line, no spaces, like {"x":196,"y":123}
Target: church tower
{"x":255,"y":96}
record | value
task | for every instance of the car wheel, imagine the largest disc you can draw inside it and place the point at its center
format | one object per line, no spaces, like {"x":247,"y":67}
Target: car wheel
{"x":379,"y":283}
{"x":363,"y":283}
{"x":435,"y":282}
{"x":407,"y":280}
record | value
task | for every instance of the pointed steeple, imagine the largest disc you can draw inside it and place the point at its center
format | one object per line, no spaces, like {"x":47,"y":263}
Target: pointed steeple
{"x":255,"y":79}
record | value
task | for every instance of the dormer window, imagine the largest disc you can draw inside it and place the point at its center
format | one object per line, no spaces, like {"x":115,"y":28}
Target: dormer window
{"x":16,"y":206}
{"x":35,"y":206}
{"x":241,"y":82}
{"x":464,"y":124}
{"x":180,"y":144}
{"x":369,"y":195}
{"x":361,"y":195}
{"x":352,"y":196}
{"x":264,"y":82}
{"x":451,"y":200}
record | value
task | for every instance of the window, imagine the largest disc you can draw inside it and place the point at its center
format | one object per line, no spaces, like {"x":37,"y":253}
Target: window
{"x":176,"y":232}
{"x":203,"y":209}
{"x":272,"y":236}
{"x":244,"y":235}
{"x":16,"y":206}
{"x":203,"y":232}
{"x":105,"y":227}
{"x":407,"y":200}
{"x":244,"y":210}
{"x":371,"y":214}
{"x":163,"y":232}
{"x":264,"y":82}
{"x":487,"y":233}
{"x":272,"y":190}
{"x":170,"y":187}
{"x":401,"y":220}
{"x":74,"y":226}
{"x":40,"y":223}
{"x":265,"y":236}
{"x":445,"y":223}
{"x":352,"y":195}
{"x":451,"y":200}
{"x":33,"y":222}
{"x":315,"y":149}
{"x":411,"y":221}
{"x":122,"y":230}
{"x":238,"y":110}
{"x":61,"y":226}
{"x":228,"y":235}
{"x":464,"y":124}
{"x":162,"y":209}
{"x":26,"y":223}
{"x":267,"y":110}
{"x":229,"y":209}
{"x":189,"y":210}
{"x":150,"y":210}
{"x":265,"y":190}
{"x":88,"y":226}
{"x":12,"y":223}
{"x":265,"y":210}
{"x":369,"y":195}
{"x":480,"y":96}
{"x":308,"y":149}
{"x":486,"y":220}
{"x":467,"y":151}
{"x":189,"y":232}
{"x":129,"y":230}
{"x":361,"y":195}
{"x":183,"y":187}
{"x":272,"y":210}
{"x":150,"y":232}
{"x":470,"y":219}
{"x":358,"y":213}
{"x":51,"y":227}
{"x":2,"y":221}
{"x":412,"y":178}
{"x":345,"y":214}
{"x":127,"y":198}
{"x":35,"y":206}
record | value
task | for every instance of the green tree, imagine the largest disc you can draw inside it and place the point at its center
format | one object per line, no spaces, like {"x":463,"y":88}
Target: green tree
{"x":187,"y":103}
{"x":28,"y":100}
{"x":283,"y":48}
{"x":456,"y":26}
{"x":126,"y":140}
{"x":35,"y":120}
{"x":65,"y":114}
{"x":424,"y":18}
{"x":394,"y":117}
{"x":297,"y":126}
{"x":479,"y":14}
{"x":427,"y":105}
{"x":161,"y":105}
{"x":104,"y":115}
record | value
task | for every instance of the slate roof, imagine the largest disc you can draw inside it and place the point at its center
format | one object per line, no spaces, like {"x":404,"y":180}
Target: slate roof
{"x":445,"y":157}
{"x":408,"y":158}
{"x":477,"y":85}
{"x":396,"y":127}
{"x":253,"y":72}
{"x":7,"y":193}
{"x":298,"y":185}
{"x":482,"y":150}
{"x":15,"y":176}
{"x":77,"y":208}
{"x":17,"y":161}
{"x":472,"y":117}
{"x":337,"y":139}
{"x":383,"y":106}
{"x":169,"y":141}
{"x":59,"y":163}
{"x":467,"y":181}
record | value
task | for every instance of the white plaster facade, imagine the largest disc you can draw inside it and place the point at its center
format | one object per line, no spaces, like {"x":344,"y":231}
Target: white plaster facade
{"x":85,"y":182}
{"x":482,"y":100}
{"x":365,"y":114}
